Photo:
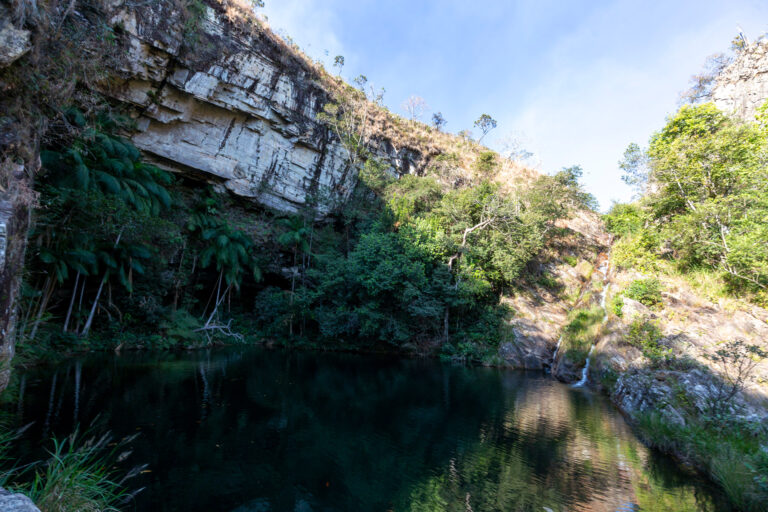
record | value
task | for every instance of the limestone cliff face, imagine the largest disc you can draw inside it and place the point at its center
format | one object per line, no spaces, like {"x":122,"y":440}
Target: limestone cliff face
{"x":240,"y":109}
{"x":742,"y":87}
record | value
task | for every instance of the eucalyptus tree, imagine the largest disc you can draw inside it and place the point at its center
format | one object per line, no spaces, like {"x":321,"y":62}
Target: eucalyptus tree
{"x":486,"y":123}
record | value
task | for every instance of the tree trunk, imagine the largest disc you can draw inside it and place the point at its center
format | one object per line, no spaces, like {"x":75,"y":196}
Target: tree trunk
{"x":71,"y":302}
{"x":89,"y":322}
{"x":50,"y":284}
{"x":445,"y":324}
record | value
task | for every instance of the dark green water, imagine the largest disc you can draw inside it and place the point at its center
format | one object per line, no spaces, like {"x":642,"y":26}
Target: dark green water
{"x":258,"y":430}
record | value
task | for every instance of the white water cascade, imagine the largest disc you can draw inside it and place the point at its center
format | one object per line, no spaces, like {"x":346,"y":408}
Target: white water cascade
{"x":605,"y":270}
{"x":557,"y":349}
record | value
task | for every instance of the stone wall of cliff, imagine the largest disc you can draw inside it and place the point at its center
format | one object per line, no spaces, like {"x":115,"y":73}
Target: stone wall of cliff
{"x":742,"y":87}
{"x":236,"y":106}
{"x":17,"y":165}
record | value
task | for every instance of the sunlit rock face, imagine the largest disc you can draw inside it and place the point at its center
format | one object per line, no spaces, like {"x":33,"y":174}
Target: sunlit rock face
{"x":743,"y":86}
{"x":239,"y":109}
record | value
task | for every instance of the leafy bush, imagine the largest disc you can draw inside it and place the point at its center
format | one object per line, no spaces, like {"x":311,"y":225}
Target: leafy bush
{"x":645,"y":291}
{"x":645,"y":335}
{"x":486,"y":163}
{"x":636,"y":252}
{"x":624,"y":219}
{"x":617,"y":305}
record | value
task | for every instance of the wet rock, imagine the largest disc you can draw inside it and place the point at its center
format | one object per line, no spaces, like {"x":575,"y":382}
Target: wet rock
{"x":10,"y":502}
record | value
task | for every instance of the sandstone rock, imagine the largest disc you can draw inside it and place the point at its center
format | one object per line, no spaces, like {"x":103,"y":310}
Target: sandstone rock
{"x":633,"y":309}
{"x":15,"y":502}
{"x":241,"y":111}
{"x":743,"y":86}
{"x":639,"y":392}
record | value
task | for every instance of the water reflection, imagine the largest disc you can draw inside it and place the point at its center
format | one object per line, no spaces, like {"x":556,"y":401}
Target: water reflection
{"x":256,"y":430}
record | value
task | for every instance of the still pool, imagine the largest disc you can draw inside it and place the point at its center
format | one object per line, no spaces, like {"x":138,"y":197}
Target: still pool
{"x":249,"y":429}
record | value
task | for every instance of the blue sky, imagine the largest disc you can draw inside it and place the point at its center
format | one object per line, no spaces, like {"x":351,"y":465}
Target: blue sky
{"x":573,"y":81}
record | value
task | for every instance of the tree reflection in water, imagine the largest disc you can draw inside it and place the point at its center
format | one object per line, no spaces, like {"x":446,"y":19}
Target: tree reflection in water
{"x":258,"y":430}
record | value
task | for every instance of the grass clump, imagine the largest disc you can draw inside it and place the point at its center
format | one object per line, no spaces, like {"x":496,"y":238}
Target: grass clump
{"x":617,"y":305}
{"x":80,"y":474}
{"x":581,"y":331}
{"x":645,"y":335}
{"x":645,"y":291}
{"x":729,"y":452}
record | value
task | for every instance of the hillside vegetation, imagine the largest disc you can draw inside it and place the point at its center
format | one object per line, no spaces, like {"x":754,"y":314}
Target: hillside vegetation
{"x":126,"y":255}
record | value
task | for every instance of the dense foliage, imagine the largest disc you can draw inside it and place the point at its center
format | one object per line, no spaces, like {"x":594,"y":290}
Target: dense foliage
{"x":706,"y":201}
{"x":123,"y":255}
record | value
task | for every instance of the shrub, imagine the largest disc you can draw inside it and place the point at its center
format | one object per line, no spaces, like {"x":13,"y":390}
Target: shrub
{"x":571,"y":260}
{"x":624,"y":219}
{"x":645,"y":291}
{"x":636,"y":251}
{"x":645,"y":335}
{"x":486,"y":163}
{"x":617,"y":305}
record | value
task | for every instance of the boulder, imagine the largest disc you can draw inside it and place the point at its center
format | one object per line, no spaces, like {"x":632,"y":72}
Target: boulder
{"x":15,"y":502}
{"x":13,"y":42}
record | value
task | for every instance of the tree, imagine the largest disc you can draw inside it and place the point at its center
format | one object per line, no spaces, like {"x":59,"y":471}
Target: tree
{"x":415,"y":106}
{"x":97,"y":180}
{"x":294,"y":237}
{"x":711,"y":192}
{"x":349,"y":118}
{"x":635,"y":167}
{"x":338,"y":62}
{"x":702,"y":82}
{"x":361,"y":81}
{"x":438,"y":121}
{"x":229,"y":250}
{"x":486,"y":123}
{"x":513,"y":149}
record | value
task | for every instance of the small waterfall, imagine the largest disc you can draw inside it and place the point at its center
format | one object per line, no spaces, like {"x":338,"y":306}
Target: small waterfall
{"x":605,"y":270}
{"x":585,"y":370}
{"x":602,"y":301}
{"x":557,"y":349}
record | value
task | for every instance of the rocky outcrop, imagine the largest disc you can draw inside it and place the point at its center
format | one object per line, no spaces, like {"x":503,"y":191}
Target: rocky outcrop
{"x":16,"y":199}
{"x":14,"y":42}
{"x":541,"y":312}
{"x":239,"y":110}
{"x":742,"y":87}
{"x":15,"y":502}
{"x":693,"y":330}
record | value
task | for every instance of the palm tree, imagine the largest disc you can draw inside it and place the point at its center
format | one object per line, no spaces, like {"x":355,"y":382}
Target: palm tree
{"x":294,"y":237}
{"x":230,"y":251}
